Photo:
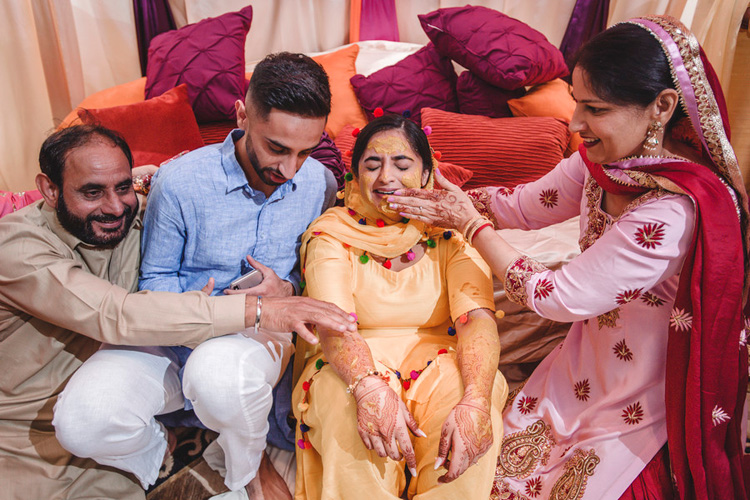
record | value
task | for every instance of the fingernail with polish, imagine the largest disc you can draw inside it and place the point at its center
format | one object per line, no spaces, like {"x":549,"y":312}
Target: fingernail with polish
{"x":421,"y":433}
{"x":438,"y":462}
{"x":390,"y":199}
{"x":413,"y":471}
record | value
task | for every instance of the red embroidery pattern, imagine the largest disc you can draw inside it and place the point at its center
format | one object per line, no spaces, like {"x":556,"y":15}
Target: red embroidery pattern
{"x":482,"y":201}
{"x":633,"y":414}
{"x":534,"y":487}
{"x":543,"y":288}
{"x":650,"y":235}
{"x":505,"y":191}
{"x":527,"y":404}
{"x":582,"y":390}
{"x":518,"y":274}
{"x":622,"y":351}
{"x":549,"y":198}
{"x":652,"y":300}
{"x":628,"y":296}
{"x":681,"y":320}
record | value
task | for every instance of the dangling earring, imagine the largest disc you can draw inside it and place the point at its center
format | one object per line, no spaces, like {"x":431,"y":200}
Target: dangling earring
{"x":652,"y":136}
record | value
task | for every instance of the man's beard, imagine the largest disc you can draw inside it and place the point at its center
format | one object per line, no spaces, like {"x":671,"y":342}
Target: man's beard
{"x":262,"y":173}
{"x":83,"y":229}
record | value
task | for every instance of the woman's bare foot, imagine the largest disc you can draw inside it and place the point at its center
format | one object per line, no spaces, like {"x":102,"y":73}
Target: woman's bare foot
{"x":268,"y":483}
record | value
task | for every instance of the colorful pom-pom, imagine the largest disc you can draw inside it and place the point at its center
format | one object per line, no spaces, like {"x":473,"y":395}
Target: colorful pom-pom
{"x":427,"y":130}
{"x":348,"y":176}
{"x":346,"y":245}
{"x":406,"y":383}
{"x":355,"y":132}
{"x":304,"y":428}
{"x":340,"y":195}
{"x":499,"y":314}
{"x":362,"y":221}
{"x":306,"y":385}
{"x":398,"y":374}
{"x":442,"y":351}
{"x":410,"y":255}
{"x":407,"y":113}
{"x":364,"y":258}
{"x":348,"y":153}
{"x":378,"y":112}
{"x":447,"y":235}
{"x":414,"y":374}
{"x":302,"y":406}
{"x":387,"y":264}
{"x":316,"y":233}
{"x":437,"y":155}
{"x":463,"y":319}
{"x":405,"y":220}
{"x":430,"y":243}
{"x":451,"y":331}
{"x":380,"y":223}
{"x":352,"y":212}
{"x":354,"y":315}
{"x":429,"y":362}
{"x":319,"y":364}
{"x":302,"y":285}
{"x":301,"y":443}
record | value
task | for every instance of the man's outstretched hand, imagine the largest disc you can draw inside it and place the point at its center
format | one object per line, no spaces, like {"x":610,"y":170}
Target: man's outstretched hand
{"x":298,"y":314}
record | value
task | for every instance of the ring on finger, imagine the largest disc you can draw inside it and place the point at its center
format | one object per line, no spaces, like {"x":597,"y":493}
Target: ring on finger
{"x":420,"y":210}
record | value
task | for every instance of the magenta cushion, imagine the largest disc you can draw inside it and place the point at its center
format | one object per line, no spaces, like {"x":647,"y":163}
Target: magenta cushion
{"x":209,"y":56}
{"x":423,"y":79}
{"x":477,"y":97}
{"x":497,"y":48}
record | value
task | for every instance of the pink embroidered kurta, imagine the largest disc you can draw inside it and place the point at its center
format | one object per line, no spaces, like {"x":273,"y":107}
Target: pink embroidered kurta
{"x":592,"y":415}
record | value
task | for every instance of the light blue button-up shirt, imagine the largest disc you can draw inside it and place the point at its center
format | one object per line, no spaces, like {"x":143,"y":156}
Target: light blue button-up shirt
{"x":203,"y":218}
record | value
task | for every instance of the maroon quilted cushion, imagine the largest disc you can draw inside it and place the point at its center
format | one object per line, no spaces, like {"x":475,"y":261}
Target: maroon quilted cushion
{"x":423,"y":79}
{"x":209,"y":56}
{"x":477,"y":97}
{"x":497,"y":48}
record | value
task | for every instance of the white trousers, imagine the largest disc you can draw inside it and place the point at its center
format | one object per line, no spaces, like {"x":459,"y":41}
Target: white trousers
{"x":106,"y":411}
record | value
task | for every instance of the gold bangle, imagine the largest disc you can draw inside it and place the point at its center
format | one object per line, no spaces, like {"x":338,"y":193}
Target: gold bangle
{"x":358,"y":379}
{"x":469,"y":223}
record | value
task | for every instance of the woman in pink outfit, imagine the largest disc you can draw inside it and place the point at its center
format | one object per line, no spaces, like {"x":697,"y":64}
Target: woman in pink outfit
{"x":644,"y":398}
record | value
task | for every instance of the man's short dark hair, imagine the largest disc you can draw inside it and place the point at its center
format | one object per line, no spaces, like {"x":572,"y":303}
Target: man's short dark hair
{"x":290,"y":82}
{"x":58,"y":146}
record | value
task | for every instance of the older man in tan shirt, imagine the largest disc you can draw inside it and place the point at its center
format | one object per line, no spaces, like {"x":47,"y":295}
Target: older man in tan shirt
{"x":68,"y":277}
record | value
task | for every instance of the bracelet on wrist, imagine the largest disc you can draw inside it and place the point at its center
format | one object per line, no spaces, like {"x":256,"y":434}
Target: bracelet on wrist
{"x":258,"y":307}
{"x":474,"y":235}
{"x":359,"y":378}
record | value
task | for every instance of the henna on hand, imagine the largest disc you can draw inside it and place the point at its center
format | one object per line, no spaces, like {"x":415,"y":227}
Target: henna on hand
{"x":467,"y":433}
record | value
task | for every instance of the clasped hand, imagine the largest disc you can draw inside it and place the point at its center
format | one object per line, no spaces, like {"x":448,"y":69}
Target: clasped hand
{"x":383,"y":421}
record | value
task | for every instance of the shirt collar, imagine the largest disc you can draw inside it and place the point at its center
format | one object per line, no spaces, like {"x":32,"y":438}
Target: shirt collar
{"x":236,"y":178}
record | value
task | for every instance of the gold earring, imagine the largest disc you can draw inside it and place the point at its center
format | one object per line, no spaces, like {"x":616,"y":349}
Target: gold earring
{"x":652,"y":136}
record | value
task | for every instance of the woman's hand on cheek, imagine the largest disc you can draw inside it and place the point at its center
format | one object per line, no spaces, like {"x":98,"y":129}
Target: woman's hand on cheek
{"x":450,"y":208}
{"x":383,"y":422}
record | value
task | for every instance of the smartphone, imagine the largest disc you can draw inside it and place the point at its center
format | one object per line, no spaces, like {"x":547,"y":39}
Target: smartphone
{"x":247,"y":280}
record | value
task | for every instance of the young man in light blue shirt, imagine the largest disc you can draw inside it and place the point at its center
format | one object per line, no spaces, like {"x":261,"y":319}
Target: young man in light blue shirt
{"x":210,"y":213}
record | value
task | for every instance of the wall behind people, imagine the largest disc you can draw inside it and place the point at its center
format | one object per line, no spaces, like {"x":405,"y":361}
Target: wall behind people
{"x":56,"y":52}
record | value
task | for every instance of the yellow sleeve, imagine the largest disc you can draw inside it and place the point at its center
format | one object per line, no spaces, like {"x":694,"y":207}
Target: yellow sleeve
{"x":328,"y":272}
{"x":468,"y":278}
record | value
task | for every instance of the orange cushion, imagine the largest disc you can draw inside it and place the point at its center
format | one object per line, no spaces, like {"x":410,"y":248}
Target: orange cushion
{"x":499,"y":151}
{"x":548,"y":99}
{"x":155,"y":129}
{"x":345,"y":108}
{"x":345,"y":142}
{"x":119,"y":95}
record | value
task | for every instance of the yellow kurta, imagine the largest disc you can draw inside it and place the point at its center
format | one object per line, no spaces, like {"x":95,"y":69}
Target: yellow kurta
{"x":59,"y":299}
{"x":404,"y":317}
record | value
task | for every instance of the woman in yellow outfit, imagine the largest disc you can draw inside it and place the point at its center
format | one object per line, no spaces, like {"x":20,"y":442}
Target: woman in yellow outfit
{"x":416,"y":388}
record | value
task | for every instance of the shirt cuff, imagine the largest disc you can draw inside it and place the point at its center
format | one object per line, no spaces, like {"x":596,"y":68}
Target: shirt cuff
{"x":228,"y":313}
{"x":519,"y":273}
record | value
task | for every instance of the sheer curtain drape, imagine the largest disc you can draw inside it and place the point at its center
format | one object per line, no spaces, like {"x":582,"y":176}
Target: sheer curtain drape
{"x":56,"y":52}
